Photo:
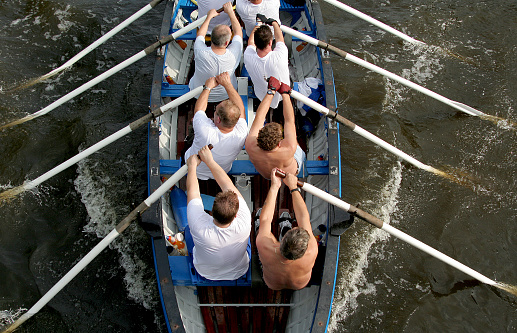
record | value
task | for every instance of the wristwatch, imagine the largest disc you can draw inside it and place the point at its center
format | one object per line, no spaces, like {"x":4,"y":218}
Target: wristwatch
{"x":270,"y":92}
{"x":206,"y":88}
{"x":297,"y":189}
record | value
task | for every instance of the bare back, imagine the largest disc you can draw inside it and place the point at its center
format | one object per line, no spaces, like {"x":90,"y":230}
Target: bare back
{"x":280,"y":273}
{"x":281,"y":157}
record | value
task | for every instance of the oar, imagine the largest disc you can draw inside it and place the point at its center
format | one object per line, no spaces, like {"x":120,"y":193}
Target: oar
{"x":28,"y":185}
{"x":101,"y":246}
{"x":401,"y":235}
{"x":373,"y":21}
{"x":92,"y":46}
{"x":365,"y":134}
{"x":457,"y":105}
{"x":391,"y":30}
{"x":463,"y":180}
{"x":148,"y":50}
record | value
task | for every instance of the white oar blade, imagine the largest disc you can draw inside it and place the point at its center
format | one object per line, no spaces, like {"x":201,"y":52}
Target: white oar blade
{"x":107,"y":74}
{"x":365,"y":134}
{"x":468,"y":109}
{"x":459,"y":106}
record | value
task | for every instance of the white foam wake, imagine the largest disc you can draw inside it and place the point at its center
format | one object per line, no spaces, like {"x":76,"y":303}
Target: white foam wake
{"x":103,"y":217}
{"x":8,"y":317}
{"x":353,"y":281}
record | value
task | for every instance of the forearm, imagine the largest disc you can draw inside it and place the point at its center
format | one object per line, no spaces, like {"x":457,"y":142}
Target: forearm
{"x":268,"y":210}
{"x":301,"y":212}
{"x":192,"y":185}
{"x":263,"y":108}
{"x":202,"y":101}
{"x":234,"y":96}
{"x":288,"y":109}
{"x":221,"y":177}
{"x":278,"y":32}
{"x":289,"y":123}
{"x":251,"y":39}
{"x":203,"y":29}
{"x":236,"y":27}
{"x":260,"y":115}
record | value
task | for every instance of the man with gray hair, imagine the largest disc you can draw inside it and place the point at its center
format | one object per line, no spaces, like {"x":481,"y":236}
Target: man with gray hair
{"x":220,"y":56}
{"x":286,"y":264}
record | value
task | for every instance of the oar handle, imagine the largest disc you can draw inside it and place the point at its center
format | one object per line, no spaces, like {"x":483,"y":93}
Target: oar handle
{"x":282,"y":174}
{"x":210,"y":146}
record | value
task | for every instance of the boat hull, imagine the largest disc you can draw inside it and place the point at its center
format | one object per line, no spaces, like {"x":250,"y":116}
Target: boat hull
{"x":187,"y":305}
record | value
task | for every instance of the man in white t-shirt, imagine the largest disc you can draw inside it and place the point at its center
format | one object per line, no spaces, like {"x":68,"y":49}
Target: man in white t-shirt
{"x":220,"y":240}
{"x":221,"y":56}
{"x":203,"y":6}
{"x":263,"y":62}
{"x":248,"y":10}
{"x":227,"y":132}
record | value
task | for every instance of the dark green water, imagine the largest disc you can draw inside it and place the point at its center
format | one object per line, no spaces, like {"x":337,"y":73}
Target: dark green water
{"x":385,"y":284}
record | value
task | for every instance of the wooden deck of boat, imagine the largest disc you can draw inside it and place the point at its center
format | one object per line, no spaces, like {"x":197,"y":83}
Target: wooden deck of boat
{"x":235,"y":318}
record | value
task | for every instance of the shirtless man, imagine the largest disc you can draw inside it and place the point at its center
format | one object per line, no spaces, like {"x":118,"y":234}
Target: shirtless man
{"x":271,"y":146}
{"x":286,"y":264}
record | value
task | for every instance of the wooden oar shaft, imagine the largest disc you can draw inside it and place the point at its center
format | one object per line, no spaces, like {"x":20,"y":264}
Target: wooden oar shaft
{"x":362,"y":132}
{"x":470,"y":111}
{"x":335,"y":201}
{"x":373,"y":21}
{"x":313,"y":41}
{"x":342,"y":204}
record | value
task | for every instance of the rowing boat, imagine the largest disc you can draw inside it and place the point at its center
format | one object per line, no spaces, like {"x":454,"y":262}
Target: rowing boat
{"x":189,"y":301}
{"x":192,"y":303}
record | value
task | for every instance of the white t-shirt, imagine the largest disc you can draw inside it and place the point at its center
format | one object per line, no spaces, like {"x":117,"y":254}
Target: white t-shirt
{"x":275,"y":63}
{"x":209,"y":64}
{"x":219,"y":253}
{"x":203,"y":6}
{"x":226,"y":145}
{"x":248,"y":12}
